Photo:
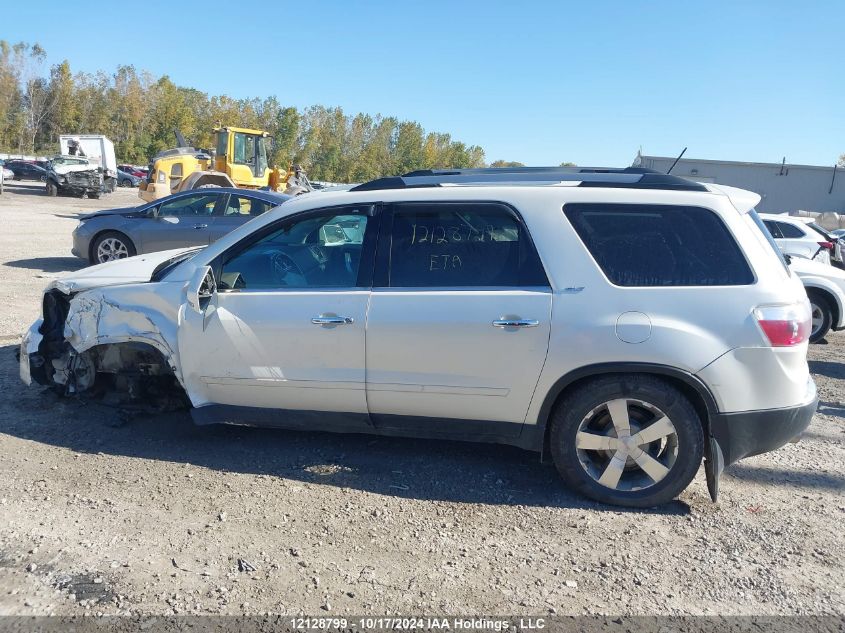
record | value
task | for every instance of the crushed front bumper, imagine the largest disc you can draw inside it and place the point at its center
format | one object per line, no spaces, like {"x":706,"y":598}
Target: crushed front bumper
{"x":29,"y":349}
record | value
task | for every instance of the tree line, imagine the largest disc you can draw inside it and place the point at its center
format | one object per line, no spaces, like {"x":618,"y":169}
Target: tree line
{"x":139,"y":113}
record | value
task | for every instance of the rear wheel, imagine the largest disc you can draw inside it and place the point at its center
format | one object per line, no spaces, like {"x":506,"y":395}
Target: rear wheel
{"x":822,"y":315}
{"x":110,"y":246}
{"x":629,"y":440}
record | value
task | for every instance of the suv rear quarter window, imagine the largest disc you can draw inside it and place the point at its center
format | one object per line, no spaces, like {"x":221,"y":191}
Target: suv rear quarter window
{"x":660,"y":245}
{"x":789,"y":231}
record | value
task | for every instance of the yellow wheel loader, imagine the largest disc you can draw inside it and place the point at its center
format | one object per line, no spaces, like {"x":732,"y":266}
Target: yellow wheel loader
{"x":239,"y":159}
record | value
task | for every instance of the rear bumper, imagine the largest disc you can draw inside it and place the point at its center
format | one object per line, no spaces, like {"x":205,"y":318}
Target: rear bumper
{"x":749,"y":433}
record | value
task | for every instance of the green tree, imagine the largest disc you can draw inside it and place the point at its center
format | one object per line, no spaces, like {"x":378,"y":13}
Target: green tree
{"x":64,"y":116}
{"x":140,"y":113}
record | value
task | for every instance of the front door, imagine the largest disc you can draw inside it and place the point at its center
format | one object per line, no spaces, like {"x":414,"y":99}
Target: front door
{"x":459,"y":321}
{"x":284,"y":334}
{"x":180,"y":222}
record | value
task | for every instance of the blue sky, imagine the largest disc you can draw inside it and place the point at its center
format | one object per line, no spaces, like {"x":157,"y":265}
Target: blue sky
{"x":539,"y":82}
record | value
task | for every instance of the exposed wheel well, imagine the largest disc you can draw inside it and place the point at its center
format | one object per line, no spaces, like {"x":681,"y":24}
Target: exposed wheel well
{"x":703,"y":404}
{"x":831,"y":300}
{"x":137,"y":372}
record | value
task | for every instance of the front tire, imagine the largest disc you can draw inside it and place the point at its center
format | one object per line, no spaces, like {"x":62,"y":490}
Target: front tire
{"x":627,"y":439}
{"x":111,"y":246}
{"x":52,"y":190}
{"x":822,"y":317}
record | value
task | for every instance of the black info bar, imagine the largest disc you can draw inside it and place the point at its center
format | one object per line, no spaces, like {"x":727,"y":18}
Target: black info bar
{"x":458,"y":623}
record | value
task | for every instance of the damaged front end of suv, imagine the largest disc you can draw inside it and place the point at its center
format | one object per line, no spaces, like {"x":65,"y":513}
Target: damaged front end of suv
{"x":113,"y":343}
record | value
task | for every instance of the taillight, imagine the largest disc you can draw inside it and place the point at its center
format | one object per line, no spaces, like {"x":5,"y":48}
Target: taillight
{"x":827,"y":245}
{"x":785,"y":326}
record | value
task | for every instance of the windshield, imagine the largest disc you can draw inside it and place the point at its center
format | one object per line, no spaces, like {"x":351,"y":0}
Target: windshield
{"x":822,"y":231}
{"x":166,"y":267}
{"x":63,"y":160}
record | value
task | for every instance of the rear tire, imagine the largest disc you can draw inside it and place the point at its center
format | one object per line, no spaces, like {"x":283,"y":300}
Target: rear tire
{"x":599,"y":457}
{"x":822,"y":316}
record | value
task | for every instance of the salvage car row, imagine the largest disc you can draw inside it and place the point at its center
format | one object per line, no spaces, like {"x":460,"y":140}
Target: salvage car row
{"x":627,"y":322}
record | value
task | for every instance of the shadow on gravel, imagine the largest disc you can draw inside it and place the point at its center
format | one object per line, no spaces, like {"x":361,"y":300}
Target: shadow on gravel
{"x":409,"y":468}
{"x":784,"y":477}
{"x":831,"y":408}
{"x":827,"y":368}
{"x":49,"y":264}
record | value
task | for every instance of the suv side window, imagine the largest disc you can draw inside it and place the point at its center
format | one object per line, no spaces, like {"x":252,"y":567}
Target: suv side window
{"x":461,"y":245}
{"x":660,"y":245}
{"x":790,"y":231}
{"x":321,"y":250}
{"x":200,"y":205}
{"x":773,"y":228}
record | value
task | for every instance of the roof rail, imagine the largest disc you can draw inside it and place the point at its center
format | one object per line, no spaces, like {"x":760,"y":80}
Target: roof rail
{"x":481,"y":171}
{"x":626,"y":177}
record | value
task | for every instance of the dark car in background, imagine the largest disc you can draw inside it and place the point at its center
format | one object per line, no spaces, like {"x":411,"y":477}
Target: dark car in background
{"x":125,"y":179}
{"x":24,"y":170}
{"x":190,"y":218}
{"x":131,"y":169}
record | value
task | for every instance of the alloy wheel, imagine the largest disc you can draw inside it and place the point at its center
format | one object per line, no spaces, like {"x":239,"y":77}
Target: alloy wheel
{"x":110,"y":249}
{"x":626,"y":444}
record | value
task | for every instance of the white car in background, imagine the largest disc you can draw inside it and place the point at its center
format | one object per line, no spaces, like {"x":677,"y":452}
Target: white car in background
{"x":796,"y":237}
{"x":825,"y":286}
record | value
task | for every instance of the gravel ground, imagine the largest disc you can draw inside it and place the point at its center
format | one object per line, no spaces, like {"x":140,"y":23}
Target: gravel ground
{"x":156,"y":516}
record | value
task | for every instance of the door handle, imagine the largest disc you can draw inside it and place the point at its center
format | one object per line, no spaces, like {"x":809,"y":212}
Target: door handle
{"x":332,"y":320}
{"x":200,"y":226}
{"x":516,"y":323}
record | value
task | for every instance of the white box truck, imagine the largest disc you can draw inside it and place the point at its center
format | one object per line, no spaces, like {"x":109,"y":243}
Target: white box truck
{"x":97,"y":149}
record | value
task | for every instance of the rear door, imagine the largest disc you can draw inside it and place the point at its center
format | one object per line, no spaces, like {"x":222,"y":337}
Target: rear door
{"x":180,"y":221}
{"x":458,"y":323}
{"x":234,"y":211}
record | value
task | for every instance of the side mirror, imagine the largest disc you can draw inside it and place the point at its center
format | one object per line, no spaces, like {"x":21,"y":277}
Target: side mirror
{"x":201,"y":289}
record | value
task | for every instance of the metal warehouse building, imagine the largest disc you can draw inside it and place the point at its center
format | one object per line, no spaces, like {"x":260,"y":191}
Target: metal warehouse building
{"x":785,"y":188}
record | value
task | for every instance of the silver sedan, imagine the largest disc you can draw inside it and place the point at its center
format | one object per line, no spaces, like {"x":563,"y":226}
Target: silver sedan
{"x":190,"y":218}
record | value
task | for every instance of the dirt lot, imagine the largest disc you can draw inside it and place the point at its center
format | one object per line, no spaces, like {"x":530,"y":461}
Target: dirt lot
{"x":158,"y":516}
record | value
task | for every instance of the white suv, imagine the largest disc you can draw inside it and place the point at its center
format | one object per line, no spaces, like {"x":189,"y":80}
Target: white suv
{"x":626,"y":321}
{"x":796,"y":236}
